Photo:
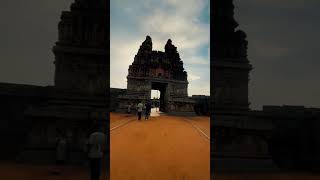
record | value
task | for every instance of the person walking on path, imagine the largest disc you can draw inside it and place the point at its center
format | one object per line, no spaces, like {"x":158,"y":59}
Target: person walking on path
{"x":61,"y":150}
{"x":139,"y":109}
{"x":148,"y":110}
{"x":96,"y":147}
{"x":61,"y":153}
{"x":129,"y":108}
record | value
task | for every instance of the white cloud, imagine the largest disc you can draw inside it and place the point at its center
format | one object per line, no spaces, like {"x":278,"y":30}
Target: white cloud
{"x":199,"y":89}
{"x":192,"y":77}
{"x":188,"y":8}
{"x":195,"y":60}
{"x":122,"y":53}
{"x":185,"y":33}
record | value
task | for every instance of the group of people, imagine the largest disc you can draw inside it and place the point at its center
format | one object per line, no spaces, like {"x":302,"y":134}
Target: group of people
{"x":147,"y":107}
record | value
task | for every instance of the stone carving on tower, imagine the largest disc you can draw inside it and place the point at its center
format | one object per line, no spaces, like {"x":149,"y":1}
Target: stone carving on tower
{"x":148,"y":63}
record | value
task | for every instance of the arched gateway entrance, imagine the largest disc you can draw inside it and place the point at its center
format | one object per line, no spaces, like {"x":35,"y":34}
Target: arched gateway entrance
{"x":162,"y":88}
{"x":157,"y":70}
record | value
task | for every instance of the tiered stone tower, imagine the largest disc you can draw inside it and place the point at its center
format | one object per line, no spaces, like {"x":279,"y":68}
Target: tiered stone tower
{"x":231,"y":69}
{"x":230,"y":64}
{"x":79,"y":100}
{"x":161,"y":71}
{"x":81,"y":54}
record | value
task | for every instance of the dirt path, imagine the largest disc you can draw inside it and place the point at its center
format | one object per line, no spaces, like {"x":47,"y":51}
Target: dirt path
{"x":164,"y":147}
{"x":202,"y":122}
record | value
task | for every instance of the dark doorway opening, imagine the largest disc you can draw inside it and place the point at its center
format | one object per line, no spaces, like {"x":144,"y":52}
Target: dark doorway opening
{"x":162,"y":88}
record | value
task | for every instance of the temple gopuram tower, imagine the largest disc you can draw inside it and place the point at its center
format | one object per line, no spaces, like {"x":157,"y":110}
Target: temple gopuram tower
{"x":80,"y":53}
{"x":156,"y":70}
{"x":231,"y":69}
{"x":230,"y":63}
{"x":78,"y":101}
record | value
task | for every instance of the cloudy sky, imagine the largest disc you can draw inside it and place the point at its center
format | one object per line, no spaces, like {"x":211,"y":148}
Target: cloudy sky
{"x":283,"y":43}
{"x":284,"y":46}
{"x":185,"y":22}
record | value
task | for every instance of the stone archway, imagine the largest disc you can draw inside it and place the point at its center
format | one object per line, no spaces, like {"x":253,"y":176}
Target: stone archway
{"x":162,"y":87}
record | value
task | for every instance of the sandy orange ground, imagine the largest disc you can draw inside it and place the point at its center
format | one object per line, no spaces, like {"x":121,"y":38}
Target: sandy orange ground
{"x":14,"y":171}
{"x":203,"y":122}
{"x":164,"y":148}
{"x":115,"y":117}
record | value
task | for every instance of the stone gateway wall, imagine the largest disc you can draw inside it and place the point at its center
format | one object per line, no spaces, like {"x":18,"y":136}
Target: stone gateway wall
{"x":161,"y":71}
